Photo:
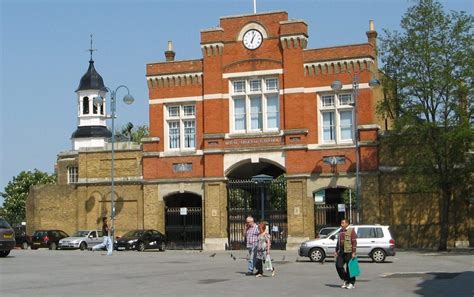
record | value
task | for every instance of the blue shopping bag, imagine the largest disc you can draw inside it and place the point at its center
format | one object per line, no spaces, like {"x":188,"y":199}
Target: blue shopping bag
{"x":354,"y":269}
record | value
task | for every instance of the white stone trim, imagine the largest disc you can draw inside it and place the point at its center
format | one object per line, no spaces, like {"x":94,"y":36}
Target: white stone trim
{"x":214,"y":244}
{"x":292,"y":91}
{"x":181,"y":153}
{"x":175,"y":100}
{"x":317,"y":146}
{"x":253,"y":73}
{"x":175,"y":75}
{"x":251,"y":26}
{"x":341,"y":61}
{"x":328,"y":88}
{"x":338,"y":66}
{"x":285,"y":40}
{"x":216,"y":96}
{"x":231,"y":159}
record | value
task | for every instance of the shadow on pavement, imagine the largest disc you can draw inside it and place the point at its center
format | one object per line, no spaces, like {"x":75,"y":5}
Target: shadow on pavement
{"x":333,"y":286}
{"x":447,"y":284}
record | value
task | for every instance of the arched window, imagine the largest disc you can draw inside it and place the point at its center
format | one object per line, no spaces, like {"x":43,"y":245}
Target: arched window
{"x":85,"y":105}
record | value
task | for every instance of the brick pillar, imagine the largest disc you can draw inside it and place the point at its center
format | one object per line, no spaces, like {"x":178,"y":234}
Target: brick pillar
{"x":215,"y":215}
{"x":153,"y":209}
{"x":300,"y":213}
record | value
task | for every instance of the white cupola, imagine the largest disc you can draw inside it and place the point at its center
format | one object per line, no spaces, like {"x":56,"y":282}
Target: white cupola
{"x":91,"y":119}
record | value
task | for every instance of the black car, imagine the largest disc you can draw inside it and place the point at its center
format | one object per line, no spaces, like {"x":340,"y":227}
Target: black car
{"x":141,"y":240}
{"x":22,"y":239}
{"x":47,"y":239}
{"x":7,"y":238}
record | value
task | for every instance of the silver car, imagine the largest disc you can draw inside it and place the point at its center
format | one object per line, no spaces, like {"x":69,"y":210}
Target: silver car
{"x":374,"y":241}
{"x":82,"y":240}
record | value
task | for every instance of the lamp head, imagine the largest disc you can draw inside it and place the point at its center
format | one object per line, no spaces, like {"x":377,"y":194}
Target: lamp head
{"x":128,"y":99}
{"x":336,"y":85}
{"x":373,"y":83}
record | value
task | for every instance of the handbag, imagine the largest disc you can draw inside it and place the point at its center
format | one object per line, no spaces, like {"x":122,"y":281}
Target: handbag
{"x":268,"y":263}
{"x":354,"y":269}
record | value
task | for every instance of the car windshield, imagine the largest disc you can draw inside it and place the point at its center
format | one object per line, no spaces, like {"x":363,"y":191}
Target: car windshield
{"x":40,"y":233}
{"x":134,"y":233}
{"x":326,"y":231}
{"x":4,"y":224}
{"x":80,"y":234}
{"x":334,"y":232}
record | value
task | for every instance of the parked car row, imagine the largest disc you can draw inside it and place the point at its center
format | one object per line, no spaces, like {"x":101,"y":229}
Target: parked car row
{"x":139,"y":240}
{"x":374,"y":241}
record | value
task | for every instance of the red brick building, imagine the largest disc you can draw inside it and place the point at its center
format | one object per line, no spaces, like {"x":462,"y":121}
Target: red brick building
{"x":258,"y":101}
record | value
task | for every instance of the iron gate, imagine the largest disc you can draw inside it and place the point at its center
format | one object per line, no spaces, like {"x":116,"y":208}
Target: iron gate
{"x":183,"y":231}
{"x":327,"y":215}
{"x":245,"y":198}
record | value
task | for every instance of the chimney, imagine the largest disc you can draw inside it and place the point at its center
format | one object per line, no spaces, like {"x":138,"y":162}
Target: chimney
{"x":169,"y":54}
{"x":372,"y":34}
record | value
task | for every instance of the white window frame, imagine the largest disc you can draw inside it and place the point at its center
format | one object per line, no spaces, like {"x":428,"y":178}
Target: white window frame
{"x":263,"y":93}
{"x":337,"y":108}
{"x":72,"y":174}
{"x":180,"y":118}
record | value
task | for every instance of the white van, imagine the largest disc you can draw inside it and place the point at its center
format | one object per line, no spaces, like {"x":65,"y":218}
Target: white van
{"x":374,"y":241}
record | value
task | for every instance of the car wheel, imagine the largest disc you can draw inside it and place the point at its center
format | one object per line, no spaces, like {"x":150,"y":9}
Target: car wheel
{"x":378,"y":255}
{"x":4,"y":253}
{"x":162,"y":246}
{"x":34,"y":248}
{"x":24,"y":245}
{"x":316,"y":255}
{"x":53,"y":246}
{"x":141,"y":246}
{"x":83,"y":246}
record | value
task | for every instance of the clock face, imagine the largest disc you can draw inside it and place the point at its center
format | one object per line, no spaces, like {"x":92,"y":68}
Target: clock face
{"x":252,"y":39}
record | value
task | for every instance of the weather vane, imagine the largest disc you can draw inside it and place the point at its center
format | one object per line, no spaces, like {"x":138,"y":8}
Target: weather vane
{"x":91,"y":49}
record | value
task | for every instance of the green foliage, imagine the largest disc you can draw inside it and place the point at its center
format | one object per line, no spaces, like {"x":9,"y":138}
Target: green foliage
{"x":429,"y":92}
{"x":17,"y":190}
{"x":346,"y":197}
{"x":131,"y":133}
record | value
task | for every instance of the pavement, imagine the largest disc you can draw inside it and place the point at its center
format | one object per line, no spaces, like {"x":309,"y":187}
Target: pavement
{"x":193,"y":273}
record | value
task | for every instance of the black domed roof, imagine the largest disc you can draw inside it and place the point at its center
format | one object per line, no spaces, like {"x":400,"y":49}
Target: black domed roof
{"x":91,"y":131}
{"x":91,"y":80}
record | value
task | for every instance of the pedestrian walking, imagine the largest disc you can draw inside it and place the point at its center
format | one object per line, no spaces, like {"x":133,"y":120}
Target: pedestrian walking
{"x":250,"y":232}
{"x":106,"y":238}
{"x":345,"y":251}
{"x":263,"y":250}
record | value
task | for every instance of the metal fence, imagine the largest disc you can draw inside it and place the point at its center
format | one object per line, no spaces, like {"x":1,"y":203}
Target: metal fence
{"x":245,"y":198}
{"x":326,"y":215}
{"x":183,"y":231}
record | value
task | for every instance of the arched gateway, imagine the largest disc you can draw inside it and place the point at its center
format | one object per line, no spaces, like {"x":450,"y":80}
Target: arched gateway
{"x":183,"y":221}
{"x":259,"y":190}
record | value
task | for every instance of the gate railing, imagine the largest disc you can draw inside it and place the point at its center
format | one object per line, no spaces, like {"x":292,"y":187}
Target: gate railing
{"x":327,"y":215}
{"x":183,"y":231}
{"x":244,"y":199}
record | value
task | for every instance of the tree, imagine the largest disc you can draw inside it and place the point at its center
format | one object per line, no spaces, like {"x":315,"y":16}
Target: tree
{"x":17,"y":190}
{"x":130,"y":133}
{"x":429,"y":66}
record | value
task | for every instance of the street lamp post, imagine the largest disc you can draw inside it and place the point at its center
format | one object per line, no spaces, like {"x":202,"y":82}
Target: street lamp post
{"x":261,"y":179}
{"x":337,"y":86}
{"x":98,"y":101}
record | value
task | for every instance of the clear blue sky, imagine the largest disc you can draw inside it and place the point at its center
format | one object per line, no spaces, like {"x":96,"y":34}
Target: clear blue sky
{"x":44,"y":55}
